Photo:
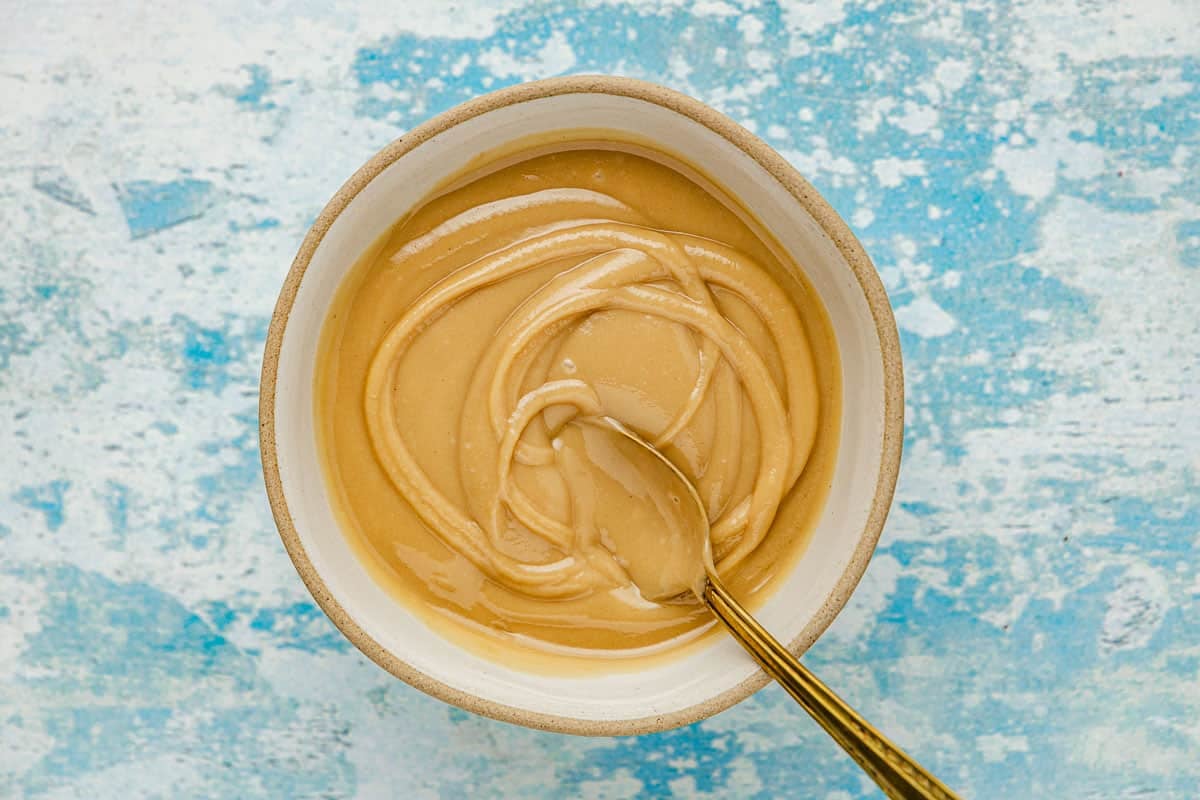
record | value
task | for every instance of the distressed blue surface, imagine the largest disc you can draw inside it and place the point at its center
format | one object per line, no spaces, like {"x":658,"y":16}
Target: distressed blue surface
{"x":1025,"y":177}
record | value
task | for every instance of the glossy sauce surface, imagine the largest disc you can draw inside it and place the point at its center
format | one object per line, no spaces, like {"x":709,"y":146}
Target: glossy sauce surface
{"x":592,"y":280}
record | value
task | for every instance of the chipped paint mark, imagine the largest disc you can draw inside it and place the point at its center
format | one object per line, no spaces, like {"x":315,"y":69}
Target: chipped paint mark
{"x":55,"y":183}
{"x":47,"y":499}
{"x":152,"y":206}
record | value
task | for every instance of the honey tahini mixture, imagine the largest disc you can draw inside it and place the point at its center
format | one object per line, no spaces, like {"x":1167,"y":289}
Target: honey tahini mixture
{"x":594,"y":279}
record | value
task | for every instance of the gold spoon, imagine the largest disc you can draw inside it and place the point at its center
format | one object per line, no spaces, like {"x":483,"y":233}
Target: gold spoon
{"x":684,"y":564}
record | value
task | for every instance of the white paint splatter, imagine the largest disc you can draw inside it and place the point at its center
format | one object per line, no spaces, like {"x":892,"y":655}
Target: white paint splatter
{"x":995,"y":747}
{"x":554,"y":58}
{"x":872,"y":113}
{"x":1034,"y":171}
{"x":862,"y":217}
{"x":759,"y":60}
{"x":752,"y":29}
{"x":915,"y":119}
{"x":807,"y":17}
{"x":714,"y":8}
{"x":1007,"y":110}
{"x":952,"y":74}
{"x":891,"y":171}
{"x":679,"y":67}
{"x":925,"y":318}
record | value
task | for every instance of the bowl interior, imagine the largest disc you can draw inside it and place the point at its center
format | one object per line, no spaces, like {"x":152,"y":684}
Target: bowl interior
{"x":662,"y":690}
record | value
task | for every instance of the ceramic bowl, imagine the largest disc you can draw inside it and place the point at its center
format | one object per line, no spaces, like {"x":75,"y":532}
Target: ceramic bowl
{"x":663,"y":695}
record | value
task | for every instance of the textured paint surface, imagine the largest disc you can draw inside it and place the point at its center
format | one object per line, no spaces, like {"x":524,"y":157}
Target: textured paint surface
{"x":1027,"y":178}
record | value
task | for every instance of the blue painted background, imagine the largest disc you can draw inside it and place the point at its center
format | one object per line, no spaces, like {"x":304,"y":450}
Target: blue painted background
{"x":1025,"y":176}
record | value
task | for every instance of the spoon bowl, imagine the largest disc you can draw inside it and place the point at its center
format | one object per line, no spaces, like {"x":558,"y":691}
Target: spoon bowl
{"x":672,"y":561}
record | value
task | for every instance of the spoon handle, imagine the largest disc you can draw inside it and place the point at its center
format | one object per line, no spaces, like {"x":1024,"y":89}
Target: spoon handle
{"x":897,"y":774}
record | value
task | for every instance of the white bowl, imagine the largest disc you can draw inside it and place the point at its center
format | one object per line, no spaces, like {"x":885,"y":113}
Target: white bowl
{"x":662,"y":695}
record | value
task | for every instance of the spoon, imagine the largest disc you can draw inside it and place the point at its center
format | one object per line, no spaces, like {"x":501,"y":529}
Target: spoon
{"x":684,"y":564}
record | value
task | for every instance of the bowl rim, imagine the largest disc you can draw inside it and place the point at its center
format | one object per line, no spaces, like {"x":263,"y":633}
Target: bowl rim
{"x":809,"y":199}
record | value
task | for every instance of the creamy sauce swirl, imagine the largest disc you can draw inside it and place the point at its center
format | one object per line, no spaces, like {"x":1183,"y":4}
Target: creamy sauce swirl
{"x":565,"y":298}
